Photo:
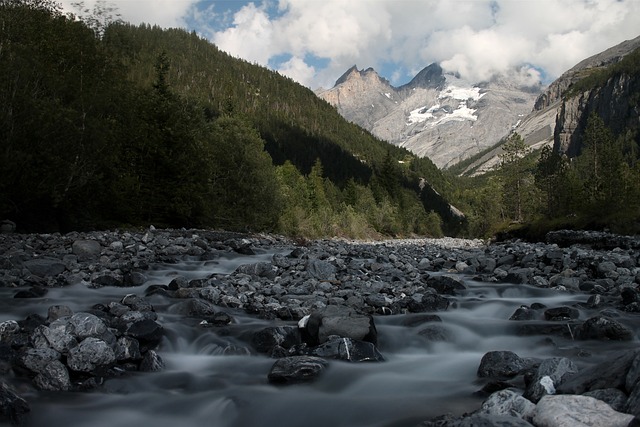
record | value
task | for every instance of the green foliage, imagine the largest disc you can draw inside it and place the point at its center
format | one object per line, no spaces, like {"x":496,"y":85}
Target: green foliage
{"x":103,"y":123}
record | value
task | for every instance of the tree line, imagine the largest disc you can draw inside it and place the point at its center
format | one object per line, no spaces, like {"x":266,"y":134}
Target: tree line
{"x":114,"y":125}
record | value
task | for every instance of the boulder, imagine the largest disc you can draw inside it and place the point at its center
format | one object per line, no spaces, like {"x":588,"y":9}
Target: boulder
{"x":12,"y":407}
{"x":267,"y":339}
{"x":345,"y":349}
{"x":448,"y":285}
{"x":86,"y":249}
{"x":611,"y":373}
{"x":337,"y":320}
{"x":83,"y":325}
{"x":500,"y":364}
{"x":90,"y":354}
{"x":508,"y":402}
{"x":152,"y":362}
{"x":53,"y":377}
{"x":548,"y":376}
{"x":297,"y":369}
{"x":577,"y":411}
{"x":45,"y":267}
{"x":604,"y":328}
{"x":321,"y":270}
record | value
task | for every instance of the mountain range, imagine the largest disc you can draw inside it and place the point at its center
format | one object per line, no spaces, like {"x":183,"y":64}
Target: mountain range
{"x":448,"y":119}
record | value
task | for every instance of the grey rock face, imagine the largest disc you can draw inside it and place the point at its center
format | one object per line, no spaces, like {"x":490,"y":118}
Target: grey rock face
{"x":436,"y":115}
{"x":548,"y":376}
{"x":86,"y":249}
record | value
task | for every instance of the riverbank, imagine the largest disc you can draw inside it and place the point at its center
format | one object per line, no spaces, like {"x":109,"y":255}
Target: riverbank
{"x":132,"y":294}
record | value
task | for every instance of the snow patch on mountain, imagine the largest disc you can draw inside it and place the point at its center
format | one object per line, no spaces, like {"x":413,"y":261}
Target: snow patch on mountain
{"x":439,"y":113}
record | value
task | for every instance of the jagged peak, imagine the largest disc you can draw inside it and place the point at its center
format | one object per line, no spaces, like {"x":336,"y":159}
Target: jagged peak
{"x":353,"y":70}
{"x":430,"y":76}
{"x":343,"y":78}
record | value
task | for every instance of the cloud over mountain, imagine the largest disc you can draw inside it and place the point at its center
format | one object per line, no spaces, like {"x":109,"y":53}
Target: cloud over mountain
{"x":315,"y":41}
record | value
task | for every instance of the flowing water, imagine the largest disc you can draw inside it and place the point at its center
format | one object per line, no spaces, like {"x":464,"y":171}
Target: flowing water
{"x":201,"y":386}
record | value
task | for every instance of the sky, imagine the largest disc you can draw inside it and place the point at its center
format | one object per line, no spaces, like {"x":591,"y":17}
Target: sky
{"x":315,"y":41}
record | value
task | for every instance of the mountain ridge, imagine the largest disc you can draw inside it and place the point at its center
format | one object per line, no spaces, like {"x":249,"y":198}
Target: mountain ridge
{"x":436,"y":114}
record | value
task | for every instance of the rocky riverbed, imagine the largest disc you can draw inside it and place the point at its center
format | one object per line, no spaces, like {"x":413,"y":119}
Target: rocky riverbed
{"x":197,"y":326}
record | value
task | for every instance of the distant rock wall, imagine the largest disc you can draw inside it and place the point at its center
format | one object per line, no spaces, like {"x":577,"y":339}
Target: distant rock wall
{"x":616,"y":103}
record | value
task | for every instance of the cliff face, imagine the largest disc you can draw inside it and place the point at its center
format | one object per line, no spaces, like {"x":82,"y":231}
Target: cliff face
{"x":617,"y":102}
{"x":435,"y":115}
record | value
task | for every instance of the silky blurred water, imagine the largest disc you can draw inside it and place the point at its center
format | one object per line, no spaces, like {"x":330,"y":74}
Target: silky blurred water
{"x":203,"y":387}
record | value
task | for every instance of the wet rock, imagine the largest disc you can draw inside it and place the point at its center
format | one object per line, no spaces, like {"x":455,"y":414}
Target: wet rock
{"x":83,"y":325}
{"x":127,"y":348}
{"x":56,"y":312}
{"x":435,"y":332}
{"x":337,"y":320}
{"x":573,"y":411}
{"x":561,"y":313}
{"x":447,"y":285}
{"x":523,"y":313}
{"x":152,"y":362}
{"x":500,"y":364}
{"x":297,"y":369}
{"x":86,"y":249}
{"x":429,"y":302}
{"x":265,"y":340}
{"x":90,"y":354}
{"x":615,"y":398}
{"x":259,"y":269}
{"x":146,"y":330}
{"x":194,"y":307}
{"x":345,"y":349}
{"x":604,"y":328}
{"x":321,"y":270}
{"x":7,"y":329}
{"x":490,"y":420}
{"x":13,"y":407}
{"x":508,"y":402}
{"x":53,"y":377}
{"x":45,"y":267}
{"x":611,"y":373}
{"x":548,"y":376}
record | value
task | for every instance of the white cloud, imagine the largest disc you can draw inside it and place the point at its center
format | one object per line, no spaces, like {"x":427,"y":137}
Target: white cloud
{"x":475,"y":38}
{"x":298,"y":70}
{"x":165,"y":13}
{"x":250,"y":37}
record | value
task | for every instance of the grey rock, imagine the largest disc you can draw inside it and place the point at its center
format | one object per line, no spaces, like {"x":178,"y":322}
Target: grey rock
{"x":321,"y":270}
{"x":297,"y":369}
{"x":604,"y":328}
{"x":611,"y":373}
{"x":448,"y":285}
{"x":12,"y":406}
{"x":548,"y":376}
{"x":127,"y":348}
{"x":56,"y":312}
{"x":573,"y":411}
{"x":36,"y":359}
{"x":152,"y":362}
{"x":508,"y":402}
{"x":490,"y":420}
{"x":345,"y":349}
{"x":614,"y":397}
{"x":54,"y":377}
{"x":265,"y":340}
{"x":90,"y":354}
{"x":341,"y":321}
{"x":86,"y":249}
{"x":194,"y":307}
{"x":45,"y":267}
{"x":83,"y":325}
{"x":500,"y":364}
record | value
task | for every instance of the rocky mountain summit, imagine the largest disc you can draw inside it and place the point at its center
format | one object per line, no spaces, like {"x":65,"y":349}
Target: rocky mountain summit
{"x":448,"y":119}
{"x":437,"y":114}
{"x":560,"y":120}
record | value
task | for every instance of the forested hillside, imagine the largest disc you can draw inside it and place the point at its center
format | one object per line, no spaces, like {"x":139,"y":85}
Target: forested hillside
{"x":115,"y":125}
{"x":590,"y":178}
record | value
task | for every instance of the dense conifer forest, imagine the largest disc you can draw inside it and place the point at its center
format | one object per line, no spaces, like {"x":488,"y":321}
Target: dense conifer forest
{"x":104,"y":124}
